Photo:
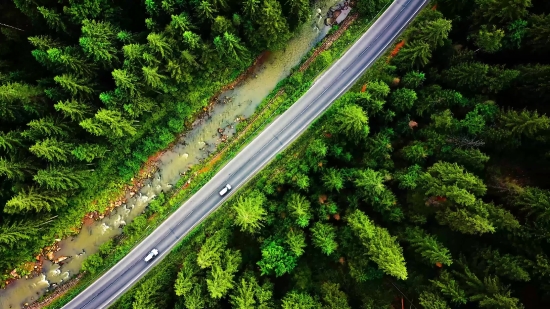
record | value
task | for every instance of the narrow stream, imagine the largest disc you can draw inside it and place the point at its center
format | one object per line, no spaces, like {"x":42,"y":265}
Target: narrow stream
{"x":189,"y":150}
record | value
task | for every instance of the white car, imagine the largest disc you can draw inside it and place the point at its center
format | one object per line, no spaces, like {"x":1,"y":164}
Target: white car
{"x":225,"y":189}
{"x":151,"y":255}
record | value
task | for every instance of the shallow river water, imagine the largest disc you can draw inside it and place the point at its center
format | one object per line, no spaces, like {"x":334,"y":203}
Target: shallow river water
{"x":190,"y":148}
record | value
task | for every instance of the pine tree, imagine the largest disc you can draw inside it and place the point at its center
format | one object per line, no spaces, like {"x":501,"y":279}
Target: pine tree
{"x":502,"y":10}
{"x":527,"y":123}
{"x":535,"y":203}
{"x":296,"y":300}
{"x":300,"y":209}
{"x":250,"y":8}
{"x":296,"y":240}
{"x":351,"y":120}
{"x":272,"y":28}
{"x":382,"y":248}
{"x":435,"y":32}
{"x":249,"y":212}
{"x":299,"y":11}
{"x":16,"y":97}
{"x":222,"y":25}
{"x":403,"y":99}
{"x":192,"y":40}
{"x":73,"y":109}
{"x":506,"y":265}
{"x":152,"y":77}
{"x":98,"y":41}
{"x":276,"y":259}
{"x":53,"y":19}
{"x":43,"y":42}
{"x":231,"y":46}
{"x":489,"y":40}
{"x":468,"y":75}
{"x":244,"y":295}
{"x":133,"y":52}
{"x":148,"y":295}
{"x":332,"y":179}
{"x":428,"y":247}
{"x":12,"y":233}
{"x":324,"y":235}
{"x":416,"y":153}
{"x":74,"y":85}
{"x":211,"y":250}
{"x":450,"y":288}
{"x":186,"y":278}
{"x":70,"y":60}
{"x":539,"y":32}
{"x":51,"y":149}
{"x":32,"y":200}
{"x":61,"y":178}
{"x":430,"y":300}
{"x":89,"y":152}
{"x":181,"y":23}
{"x":206,"y":10}
{"x":220,"y":278}
{"x":450,"y":180}
{"x":415,"y":54}
{"x":126,"y":81}
{"x":370,"y":183}
{"x":195,"y":299}
{"x":413,"y":79}
{"x":333,"y":297}
{"x":46,"y":126}
{"x":10,"y":141}
{"x":159,"y":44}
{"x":13,"y":169}
{"x":118,"y":126}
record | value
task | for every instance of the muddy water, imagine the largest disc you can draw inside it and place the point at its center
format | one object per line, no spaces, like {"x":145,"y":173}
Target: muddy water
{"x":190,"y":149}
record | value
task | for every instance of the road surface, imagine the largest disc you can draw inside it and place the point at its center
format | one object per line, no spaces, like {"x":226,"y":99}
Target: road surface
{"x":283,"y":131}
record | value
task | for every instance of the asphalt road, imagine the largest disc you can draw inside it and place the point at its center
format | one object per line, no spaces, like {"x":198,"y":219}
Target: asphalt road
{"x":284,"y":130}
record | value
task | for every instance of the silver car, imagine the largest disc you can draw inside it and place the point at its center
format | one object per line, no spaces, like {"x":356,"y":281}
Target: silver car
{"x":151,"y":255}
{"x":225,"y":189}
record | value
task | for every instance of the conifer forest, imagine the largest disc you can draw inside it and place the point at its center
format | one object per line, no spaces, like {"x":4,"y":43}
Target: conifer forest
{"x":424,"y":186}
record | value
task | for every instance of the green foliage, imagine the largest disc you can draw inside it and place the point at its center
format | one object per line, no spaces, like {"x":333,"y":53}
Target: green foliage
{"x":93,"y":263}
{"x":403,"y":99}
{"x":221,"y":277}
{"x":276,"y":259}
{"x":525,"y":123}
{"x":413,"y":79}
{"x":428,"y":247}
{"x":502,"y":11}
{"x":324,"y":237}
{"x":61,"y":178}
{"x":299,"y":208}
{"x":333,"y":297}
{"x":350,"y":119}
{"x":296,"y":300}
{"x":430,"y":300}
{"x":450,"y":288}
{"x":489,"y":40}
{"x":249,"y":212}
{"x":382,"y":247}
